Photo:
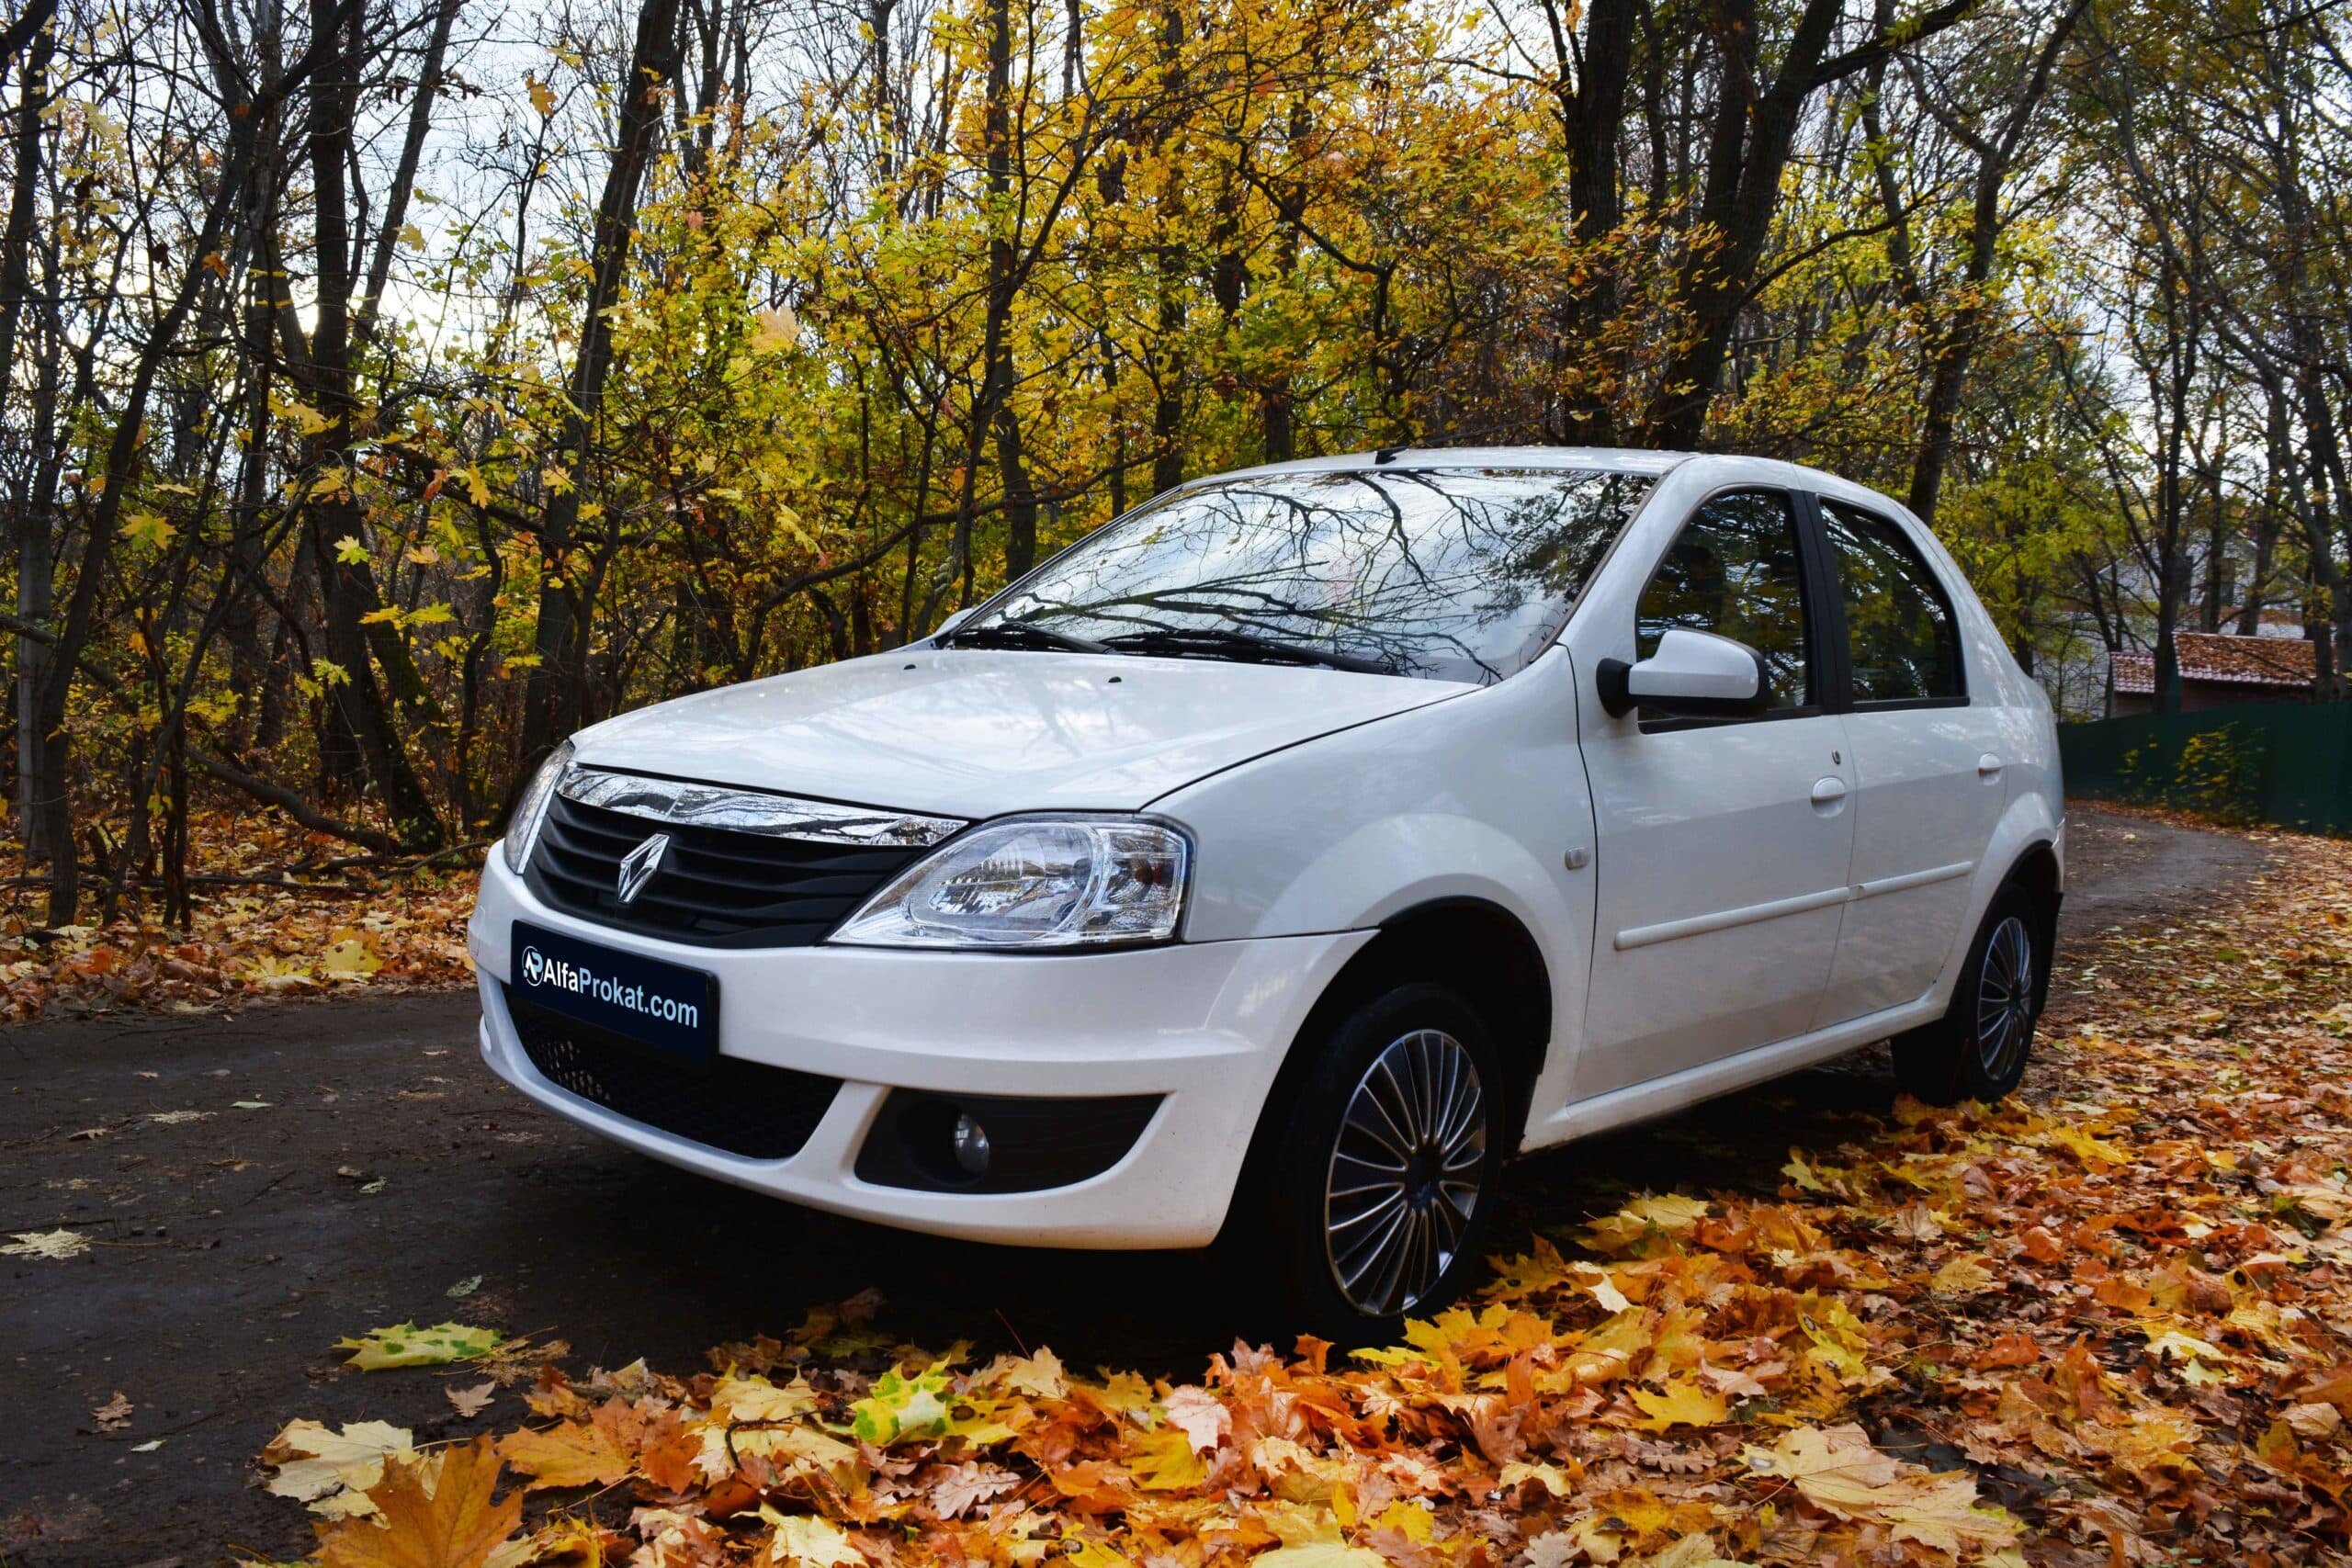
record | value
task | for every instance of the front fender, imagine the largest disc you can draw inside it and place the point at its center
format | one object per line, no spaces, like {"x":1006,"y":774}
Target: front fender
{"x":1477,"y":797}
{"x":1482,"y":798}
{"x":1383,"y":868}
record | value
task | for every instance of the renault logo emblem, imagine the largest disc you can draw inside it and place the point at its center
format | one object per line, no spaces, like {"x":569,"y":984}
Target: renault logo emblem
{"x":640,"y":864}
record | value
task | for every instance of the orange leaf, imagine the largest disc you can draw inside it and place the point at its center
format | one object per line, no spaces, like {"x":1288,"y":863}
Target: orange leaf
{"x":595,"y":1452}
{"x":426,"y":1519}
{"x":2010,"y":1350}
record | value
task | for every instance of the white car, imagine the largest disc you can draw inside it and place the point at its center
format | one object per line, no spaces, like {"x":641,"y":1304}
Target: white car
{"x":1287,"y":855}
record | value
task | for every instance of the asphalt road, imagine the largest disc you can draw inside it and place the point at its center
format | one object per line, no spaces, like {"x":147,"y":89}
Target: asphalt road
{"x":385,"y":1167}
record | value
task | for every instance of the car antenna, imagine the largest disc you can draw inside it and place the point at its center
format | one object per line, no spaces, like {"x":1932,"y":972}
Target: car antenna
{"x":1384,"y":455}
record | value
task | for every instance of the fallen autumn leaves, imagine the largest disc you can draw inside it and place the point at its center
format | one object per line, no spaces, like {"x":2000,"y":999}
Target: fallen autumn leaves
{"x":2109,"y":1323}
{"x":260,"y":931}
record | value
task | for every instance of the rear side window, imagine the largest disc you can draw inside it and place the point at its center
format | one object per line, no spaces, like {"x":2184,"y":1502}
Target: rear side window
{"x":1734,"y":571}
{"x":1900,"y":634}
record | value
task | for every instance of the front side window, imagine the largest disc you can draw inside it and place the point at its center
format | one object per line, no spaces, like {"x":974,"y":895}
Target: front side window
{"x":1899,"y":628}
{"x":1453,"y":574}
{"x":1734,"y":571}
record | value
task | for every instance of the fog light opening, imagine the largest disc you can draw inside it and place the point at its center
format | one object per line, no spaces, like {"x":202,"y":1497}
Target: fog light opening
{"x":971,"y":1145}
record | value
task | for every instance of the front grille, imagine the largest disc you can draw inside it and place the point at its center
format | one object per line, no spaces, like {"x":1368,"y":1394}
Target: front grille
{"x":738,"y":1107}
{"x":717,"y":886}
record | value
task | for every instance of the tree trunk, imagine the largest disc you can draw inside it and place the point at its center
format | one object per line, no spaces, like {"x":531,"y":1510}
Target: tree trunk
{"x":35,"y":566}
{"x":997,"y":379}
{"x":555,"y":690}
{"x":1591,"y":95}
{"x":337,"y":521}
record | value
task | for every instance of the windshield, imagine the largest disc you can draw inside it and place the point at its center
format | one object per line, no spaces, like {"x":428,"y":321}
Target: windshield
{"x":1452,"y":574}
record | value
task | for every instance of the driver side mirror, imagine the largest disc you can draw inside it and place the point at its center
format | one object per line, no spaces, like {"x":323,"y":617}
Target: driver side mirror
{"x":1693,"y":674}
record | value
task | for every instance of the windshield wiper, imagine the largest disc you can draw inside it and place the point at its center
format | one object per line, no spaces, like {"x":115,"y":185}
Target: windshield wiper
{"x":1022,"y":634}
{"x":1217,"y":642}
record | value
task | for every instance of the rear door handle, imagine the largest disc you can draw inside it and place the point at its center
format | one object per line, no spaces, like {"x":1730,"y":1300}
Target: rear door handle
{"x":1829,"y":791}
{"x":1988,"y":766}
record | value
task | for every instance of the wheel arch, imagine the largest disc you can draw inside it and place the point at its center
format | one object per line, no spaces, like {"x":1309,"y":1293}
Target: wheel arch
{"x":1471,"y":944}
{"x":2038,"y":871}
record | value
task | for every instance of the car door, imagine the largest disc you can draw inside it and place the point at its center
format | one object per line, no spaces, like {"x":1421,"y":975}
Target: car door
{"x":1928,"y":766}
{"x":1720,"y":846}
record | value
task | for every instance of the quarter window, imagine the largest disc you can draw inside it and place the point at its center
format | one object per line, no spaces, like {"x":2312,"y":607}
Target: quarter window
{"x":1734,"y":571}
{"x":1899,"y":630}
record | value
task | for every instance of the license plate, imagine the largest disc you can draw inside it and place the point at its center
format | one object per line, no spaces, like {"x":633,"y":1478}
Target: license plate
{"x":666,"y":1006}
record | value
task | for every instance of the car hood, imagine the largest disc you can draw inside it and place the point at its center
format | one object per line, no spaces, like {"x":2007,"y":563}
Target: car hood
{"x":973,"y":733}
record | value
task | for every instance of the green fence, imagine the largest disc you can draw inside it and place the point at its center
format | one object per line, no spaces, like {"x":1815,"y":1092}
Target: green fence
{"x":2285,"y":763}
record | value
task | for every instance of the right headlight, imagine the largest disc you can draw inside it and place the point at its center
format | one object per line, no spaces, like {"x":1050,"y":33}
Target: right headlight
{"x":1035,"y":882}
{"x":531,"y":807}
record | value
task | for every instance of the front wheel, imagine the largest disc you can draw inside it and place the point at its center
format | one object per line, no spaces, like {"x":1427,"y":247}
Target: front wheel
{"x":1978,"y":1049}
{"x":1382,"y":1184}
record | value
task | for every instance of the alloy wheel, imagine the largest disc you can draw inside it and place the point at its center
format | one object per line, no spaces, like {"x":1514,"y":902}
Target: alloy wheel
{"x":2004,"y":999}
{"x":1407,"y":1172}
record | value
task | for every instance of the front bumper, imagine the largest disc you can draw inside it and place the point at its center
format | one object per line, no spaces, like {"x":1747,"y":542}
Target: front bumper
{"x":1204,"y":1024}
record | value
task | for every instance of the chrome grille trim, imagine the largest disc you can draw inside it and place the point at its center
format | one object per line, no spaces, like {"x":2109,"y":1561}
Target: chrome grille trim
{"x":687,"y":805}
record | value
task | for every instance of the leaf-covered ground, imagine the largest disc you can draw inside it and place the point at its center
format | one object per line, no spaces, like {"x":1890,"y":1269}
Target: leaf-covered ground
{"x":2108,"y":1322}
{"x":279,"y":911}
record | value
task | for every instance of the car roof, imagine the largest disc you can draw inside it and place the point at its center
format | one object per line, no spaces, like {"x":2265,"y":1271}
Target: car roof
{"x":1728,"y":468}
{"x":1613,"y":459}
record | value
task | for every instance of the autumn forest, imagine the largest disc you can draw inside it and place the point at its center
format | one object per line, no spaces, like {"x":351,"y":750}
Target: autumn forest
{"x":398,"y":385}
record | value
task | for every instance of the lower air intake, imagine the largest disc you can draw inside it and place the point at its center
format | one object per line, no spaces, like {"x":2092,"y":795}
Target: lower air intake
{"x":736,"y":1107}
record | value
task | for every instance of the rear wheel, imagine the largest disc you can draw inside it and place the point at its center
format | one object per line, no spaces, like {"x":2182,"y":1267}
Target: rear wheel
{"x":1381,"y":1189}
{"x":1979,"y":1048}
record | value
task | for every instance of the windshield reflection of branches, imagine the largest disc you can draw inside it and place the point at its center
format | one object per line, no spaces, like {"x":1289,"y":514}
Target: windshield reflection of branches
{"x":1454,"y":574}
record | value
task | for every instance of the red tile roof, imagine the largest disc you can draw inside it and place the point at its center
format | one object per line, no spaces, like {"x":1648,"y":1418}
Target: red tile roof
{"x":2230,"y":661}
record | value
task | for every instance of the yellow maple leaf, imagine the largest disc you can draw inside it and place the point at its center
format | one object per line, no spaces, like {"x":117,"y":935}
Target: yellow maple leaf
{"x":1080,"y":1552}
{"x":752,"y":1417}
{"x":1314,"y":1541}
{"x":1164,"y":1462}
{"x":1645,"y":1219}
{"x":809,"y":1541}
{"x":1802,"y":1171}
{"x":406,"y":1345}
{"x":772,"y":332}
{"x":1963,"y":1276}
{"x":1039,"y":1376}
{"x":2086,"y":1149}
{"x":1529,"y":1273}
{"x":438,"y":1513}
{"x":149,"y":528}
{"x":1841,"y":1342}
{"x":350,"y":956}
{"x":2155,"y":1440}
{"x":276,"y":974}
{"x":1681,"y":1403}
{"x":1551,"y":1477}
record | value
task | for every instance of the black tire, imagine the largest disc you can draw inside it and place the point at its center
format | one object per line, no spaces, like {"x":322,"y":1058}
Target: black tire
{"x":1978,"y":1050}
{"x":1419,"y":1044}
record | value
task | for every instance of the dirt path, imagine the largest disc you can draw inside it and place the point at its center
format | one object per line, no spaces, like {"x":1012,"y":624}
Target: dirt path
{"x":380,"y":1169}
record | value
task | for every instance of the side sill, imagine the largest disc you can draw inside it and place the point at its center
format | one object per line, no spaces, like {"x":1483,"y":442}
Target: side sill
{"x":1677,"y":1091}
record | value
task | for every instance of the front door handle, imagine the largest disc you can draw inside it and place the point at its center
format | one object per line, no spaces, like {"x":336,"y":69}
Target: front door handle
{"x":1828,"y":792}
